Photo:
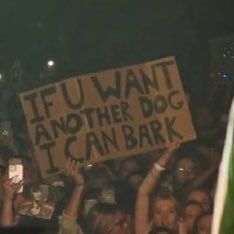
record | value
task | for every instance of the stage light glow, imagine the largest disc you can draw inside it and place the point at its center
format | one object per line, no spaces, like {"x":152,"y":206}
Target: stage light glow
{"x":50,"y":63}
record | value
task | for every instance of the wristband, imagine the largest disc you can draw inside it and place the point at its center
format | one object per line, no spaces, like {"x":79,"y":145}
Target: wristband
{"x":158,"y":167}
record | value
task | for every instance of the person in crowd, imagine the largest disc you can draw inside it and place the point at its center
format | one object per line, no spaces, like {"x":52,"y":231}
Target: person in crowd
{"x":189,"y":170}
{"x":98,"y":177}
{"x":68,"y":220}
{"x":9,"y":193}
{"x":135,"y":180}
{"x":38,"y":205}
{"x":103,"y":218}
{"x":127,"y":168}
{"x":16,"y":223}
{"x":164,"y":208}
{"x":186,"y":169}
{"x":202,"y":196}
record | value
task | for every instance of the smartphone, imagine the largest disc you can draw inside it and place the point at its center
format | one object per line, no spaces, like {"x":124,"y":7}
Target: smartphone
{"x":16,"y":171}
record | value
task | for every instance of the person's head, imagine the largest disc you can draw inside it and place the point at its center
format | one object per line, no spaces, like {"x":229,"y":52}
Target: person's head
{"x":102,"y":219}
{"x":128,"y":167}
{"x":192,"y":211}
{"x":165,"y":210}
{"x":201,"y":196}
{"x":36,"y":193}
{"x":186,"y":169}
{"x":135,"y":180}
{"x":99,"y":177}
{"x":204,"y":224}
{"x":189,"y":163}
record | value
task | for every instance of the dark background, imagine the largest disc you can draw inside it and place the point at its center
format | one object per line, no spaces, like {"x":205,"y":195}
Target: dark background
{"x":88,"y":35}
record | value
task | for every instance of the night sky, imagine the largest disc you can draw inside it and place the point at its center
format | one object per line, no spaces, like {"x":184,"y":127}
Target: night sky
{"x":87,"y":36}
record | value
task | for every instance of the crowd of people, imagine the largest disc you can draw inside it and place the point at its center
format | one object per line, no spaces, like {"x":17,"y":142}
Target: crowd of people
{"x":166,"y":191}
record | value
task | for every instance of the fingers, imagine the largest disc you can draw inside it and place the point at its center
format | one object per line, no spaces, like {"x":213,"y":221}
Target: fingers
{"x":73,"y":171}
{"x":11,"y":188}
{"x":69,"y":166}
{"x":8,"y":181}
{"x":72,"y":167}
{"x":19,"y":185}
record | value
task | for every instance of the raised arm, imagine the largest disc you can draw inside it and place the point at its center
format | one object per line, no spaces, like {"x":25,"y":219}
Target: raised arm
{"x":74,"y":203}
{"x":151,"y":180}
{"x":9,"y":191}
{"x":68,"y":222}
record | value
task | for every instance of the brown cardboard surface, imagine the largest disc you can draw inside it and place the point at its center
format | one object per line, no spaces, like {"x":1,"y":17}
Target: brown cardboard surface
{"x":110,"y":114}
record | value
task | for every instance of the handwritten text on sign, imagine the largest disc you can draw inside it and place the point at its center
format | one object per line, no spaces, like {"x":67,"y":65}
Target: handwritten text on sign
{"x":109,"y":114}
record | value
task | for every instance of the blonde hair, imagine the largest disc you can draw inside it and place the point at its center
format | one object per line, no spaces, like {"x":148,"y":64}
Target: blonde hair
{"x":101,"y":218}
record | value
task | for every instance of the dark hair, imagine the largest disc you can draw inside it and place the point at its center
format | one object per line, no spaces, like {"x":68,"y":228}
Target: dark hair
{"x":191,"y":153}
{"x":28,"y":222}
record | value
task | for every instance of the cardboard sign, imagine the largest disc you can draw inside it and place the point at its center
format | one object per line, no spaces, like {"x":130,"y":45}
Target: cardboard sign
{"x":106,"y":115}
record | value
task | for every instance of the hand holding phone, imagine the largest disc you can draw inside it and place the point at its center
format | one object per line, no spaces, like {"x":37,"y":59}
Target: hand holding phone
{"x":9,"y":188}
{"x":16,"y":172}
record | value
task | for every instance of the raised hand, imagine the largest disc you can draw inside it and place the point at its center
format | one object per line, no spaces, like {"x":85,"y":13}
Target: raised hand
{"x":165,"y":158}
{"x":10,"y":188}
{"x":73,"y":171}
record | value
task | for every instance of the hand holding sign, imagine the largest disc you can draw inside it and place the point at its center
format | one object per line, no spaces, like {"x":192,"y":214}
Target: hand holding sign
{"x":167,"y":155}
{"x":106,"y":115}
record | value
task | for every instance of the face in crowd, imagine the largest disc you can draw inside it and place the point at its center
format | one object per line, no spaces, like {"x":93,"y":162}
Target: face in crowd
{"x":165,"y":213}
{"x":185,"y":170}
{"x":202,"y":197}
{"x":192,"y":211}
